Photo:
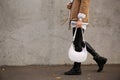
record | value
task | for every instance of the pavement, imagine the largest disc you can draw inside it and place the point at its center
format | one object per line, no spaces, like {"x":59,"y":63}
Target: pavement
{"x":48,"y":72}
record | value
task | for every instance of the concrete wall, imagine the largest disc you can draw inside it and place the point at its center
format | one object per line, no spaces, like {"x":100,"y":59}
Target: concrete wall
{"x":31,"y":31}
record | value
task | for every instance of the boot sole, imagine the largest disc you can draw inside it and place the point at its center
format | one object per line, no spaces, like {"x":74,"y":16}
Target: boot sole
{"x":72,"y":74}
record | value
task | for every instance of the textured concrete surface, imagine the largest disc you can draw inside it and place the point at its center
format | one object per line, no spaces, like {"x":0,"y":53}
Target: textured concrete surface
{"x":111,"y":72}
{"x":31,"y":31}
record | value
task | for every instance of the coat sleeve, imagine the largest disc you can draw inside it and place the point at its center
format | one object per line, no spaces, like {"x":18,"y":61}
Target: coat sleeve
{"x":84,"y":8}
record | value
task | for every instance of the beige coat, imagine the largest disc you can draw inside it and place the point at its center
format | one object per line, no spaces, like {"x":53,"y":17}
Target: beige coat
{"x":80,"y":6}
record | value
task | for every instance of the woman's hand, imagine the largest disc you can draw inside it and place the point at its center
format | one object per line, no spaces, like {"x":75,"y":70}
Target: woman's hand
{"x":69,"y":5}
{"x":79,"y":24}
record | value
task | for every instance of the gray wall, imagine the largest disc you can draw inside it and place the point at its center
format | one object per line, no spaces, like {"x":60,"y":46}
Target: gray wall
{"x":31,"y":31}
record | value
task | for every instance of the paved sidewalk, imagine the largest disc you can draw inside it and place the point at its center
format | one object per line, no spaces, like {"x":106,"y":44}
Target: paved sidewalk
{"x":111,"y":72}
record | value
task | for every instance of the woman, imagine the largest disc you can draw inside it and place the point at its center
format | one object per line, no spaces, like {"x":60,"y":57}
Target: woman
{"x":79,"y":15}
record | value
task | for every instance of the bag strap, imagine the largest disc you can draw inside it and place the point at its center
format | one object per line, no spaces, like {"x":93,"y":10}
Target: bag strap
{"x":75,"y":34}
{"x":83,"y":36}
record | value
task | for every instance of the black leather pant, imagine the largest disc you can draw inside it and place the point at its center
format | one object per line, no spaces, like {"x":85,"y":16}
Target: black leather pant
{"x":78,"y":43}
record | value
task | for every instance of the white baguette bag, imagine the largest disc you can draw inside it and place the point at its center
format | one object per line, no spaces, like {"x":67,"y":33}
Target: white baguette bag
{"x":77,"y":56}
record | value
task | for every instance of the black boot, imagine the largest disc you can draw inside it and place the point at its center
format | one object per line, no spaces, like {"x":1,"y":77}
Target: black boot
{"x":76,"y":69}
{"x":99,"y":60}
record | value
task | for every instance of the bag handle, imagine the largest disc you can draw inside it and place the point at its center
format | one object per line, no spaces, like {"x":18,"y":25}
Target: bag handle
{"x":76,"y":32}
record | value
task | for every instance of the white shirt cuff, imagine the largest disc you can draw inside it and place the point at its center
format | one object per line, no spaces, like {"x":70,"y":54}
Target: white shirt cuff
{"x":81,"y":16}
{"x":84,"y":25}
{"x":71,"y":0}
